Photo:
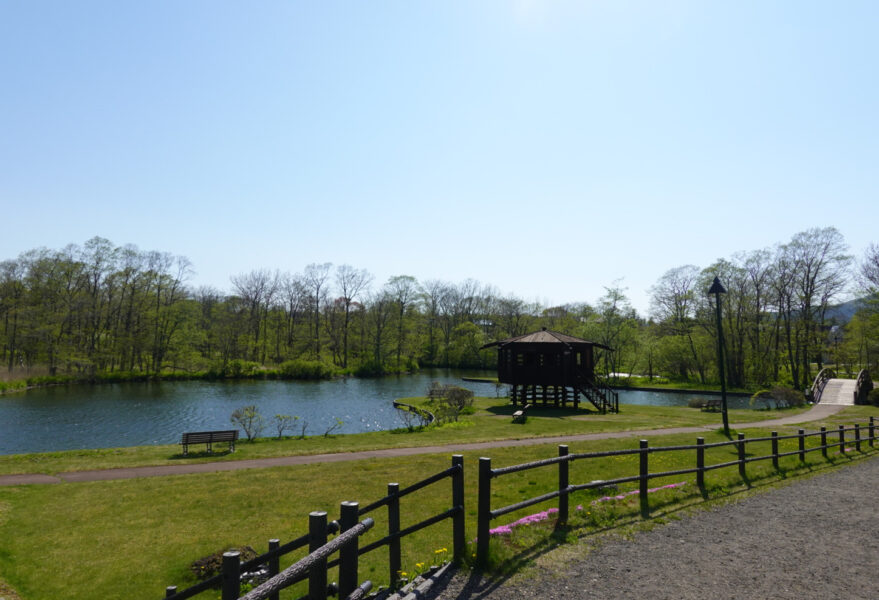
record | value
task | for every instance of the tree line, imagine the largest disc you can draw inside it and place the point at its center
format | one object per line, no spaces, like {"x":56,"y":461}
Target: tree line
{"x":101,"y":309}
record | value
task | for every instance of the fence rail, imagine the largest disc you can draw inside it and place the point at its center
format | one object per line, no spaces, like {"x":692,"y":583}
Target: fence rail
{"x":349,"y":550}
{"x":314,"y":567}
{"x":485,"y":513}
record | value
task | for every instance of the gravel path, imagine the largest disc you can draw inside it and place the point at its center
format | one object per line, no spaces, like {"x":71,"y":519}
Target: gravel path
{"x":815,"y":538}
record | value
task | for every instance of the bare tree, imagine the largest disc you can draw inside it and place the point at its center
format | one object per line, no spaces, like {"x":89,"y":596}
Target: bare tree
{"x":315,"y":280}
{"x":350,"y":282}
{"x":870,"y":269}
{"x":673,"y":303}
{"x":432,"y":294}
{"x":296,"y":299}
{"x":820,"y":268}
{"x":403,"y":290}
{"x":513,"y":316}
{"x":257,"y":289}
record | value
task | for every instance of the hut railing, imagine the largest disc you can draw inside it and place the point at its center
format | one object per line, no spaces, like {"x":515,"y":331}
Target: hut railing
{"x":485,"y":512}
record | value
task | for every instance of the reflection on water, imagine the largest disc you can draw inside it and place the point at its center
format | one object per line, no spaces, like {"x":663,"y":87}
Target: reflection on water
{"x":133,"y":414}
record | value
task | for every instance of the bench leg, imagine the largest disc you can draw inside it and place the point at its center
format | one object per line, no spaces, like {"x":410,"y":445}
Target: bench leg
{"x":185,"y":449}
{"x":210,"y":448}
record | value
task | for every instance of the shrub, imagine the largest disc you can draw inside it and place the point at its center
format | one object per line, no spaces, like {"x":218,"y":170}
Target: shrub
{"x":249,"y":419}
{"x":284,"y":422}
{"x":241,"y":368}
{"x":234,"y":369}
{"x":451,"y":400}
{"x":306,"y":369}
{"x":207,"y":567}
{"x":695,"y":402}
{"x":764,"y":396}
{"x":370,"y":368}
{"x":333,"y":426}
{"x":789,"y":396}
{"x":873,"y":397}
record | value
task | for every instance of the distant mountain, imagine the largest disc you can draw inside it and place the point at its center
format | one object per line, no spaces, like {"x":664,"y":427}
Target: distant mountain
{"x":843,"y":313}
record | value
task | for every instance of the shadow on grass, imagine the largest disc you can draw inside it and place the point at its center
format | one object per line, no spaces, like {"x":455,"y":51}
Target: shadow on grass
{"x":200,"y":454}
{"x":541,"y":411}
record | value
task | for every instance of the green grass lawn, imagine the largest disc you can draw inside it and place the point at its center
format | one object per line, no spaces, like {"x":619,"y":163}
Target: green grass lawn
{"x":131,"y":538}
{"x":491,"y":421}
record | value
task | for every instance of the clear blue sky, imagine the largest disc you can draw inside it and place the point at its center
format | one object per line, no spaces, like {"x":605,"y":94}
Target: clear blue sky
{"x":546,"y":147}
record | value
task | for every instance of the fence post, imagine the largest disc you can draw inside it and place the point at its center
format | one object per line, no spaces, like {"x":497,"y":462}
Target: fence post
{"x":348,"y":513}
{"x":231,"y":575}
{"x":642,"y":483}
{"x":483,"y":517}
{"x":740,"y":445}
{"x":842,"y":439}
{"x":394,"y":561}
{"x":700,"y":463}
{"x":170,"y":591}
{"x":775,"y":450}
{"x":274,"y":563}
{"x":858,"y":437}
{"x":824,"y":441}
{"x":801,"y":442}
{"x":317,"y":537}
{"x":459,"y":537}
{"x":563,"y":486}
{"x":872,"y":433}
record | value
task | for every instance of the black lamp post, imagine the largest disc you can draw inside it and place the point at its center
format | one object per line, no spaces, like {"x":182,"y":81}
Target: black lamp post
{"x":717,"y":289}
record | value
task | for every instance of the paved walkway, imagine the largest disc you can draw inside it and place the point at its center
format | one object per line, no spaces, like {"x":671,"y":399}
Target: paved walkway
{"x":818,"y":412}
{"x":839,"y":391}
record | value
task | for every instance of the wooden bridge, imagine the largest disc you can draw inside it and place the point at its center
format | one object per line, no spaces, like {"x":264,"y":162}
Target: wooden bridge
{"x":828,"y":389}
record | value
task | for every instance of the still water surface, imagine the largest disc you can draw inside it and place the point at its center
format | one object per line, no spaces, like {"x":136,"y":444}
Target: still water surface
{"x":134,"y":414}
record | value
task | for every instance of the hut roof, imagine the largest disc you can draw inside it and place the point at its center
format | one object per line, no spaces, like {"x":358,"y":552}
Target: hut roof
{"x":545,"y":336}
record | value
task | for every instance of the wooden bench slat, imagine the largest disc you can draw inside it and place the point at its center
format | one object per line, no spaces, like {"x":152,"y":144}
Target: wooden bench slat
{"x":209,"y":437}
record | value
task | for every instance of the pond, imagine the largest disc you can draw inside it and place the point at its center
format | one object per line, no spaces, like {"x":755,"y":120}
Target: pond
{"x":135,"y":414}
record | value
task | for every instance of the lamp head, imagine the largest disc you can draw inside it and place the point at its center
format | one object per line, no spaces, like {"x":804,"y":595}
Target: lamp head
{"x":717,"y":287}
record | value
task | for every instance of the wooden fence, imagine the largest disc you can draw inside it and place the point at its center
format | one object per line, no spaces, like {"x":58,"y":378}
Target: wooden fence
{"x":485,"y":513}
{"x":315,"y":565}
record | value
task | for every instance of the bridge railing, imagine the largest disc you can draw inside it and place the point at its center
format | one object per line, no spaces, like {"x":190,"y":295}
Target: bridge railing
{"x":819,"y":383}
{"x":863,"y":386}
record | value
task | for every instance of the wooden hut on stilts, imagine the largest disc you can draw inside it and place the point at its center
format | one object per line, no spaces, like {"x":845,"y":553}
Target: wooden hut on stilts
{"x":552,"y":369}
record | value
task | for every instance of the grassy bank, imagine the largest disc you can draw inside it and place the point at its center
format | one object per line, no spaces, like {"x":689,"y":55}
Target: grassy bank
{"x":131,"y":538}
{"x":491,"y":421}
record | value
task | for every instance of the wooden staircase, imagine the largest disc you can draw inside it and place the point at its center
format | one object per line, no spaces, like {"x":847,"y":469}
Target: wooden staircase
{"x":601,"y":395}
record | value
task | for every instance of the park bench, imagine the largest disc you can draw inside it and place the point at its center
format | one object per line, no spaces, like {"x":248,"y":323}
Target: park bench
{"x":520,"y":415}
{"x":711,"y":405}
{"x":209,"y":437}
